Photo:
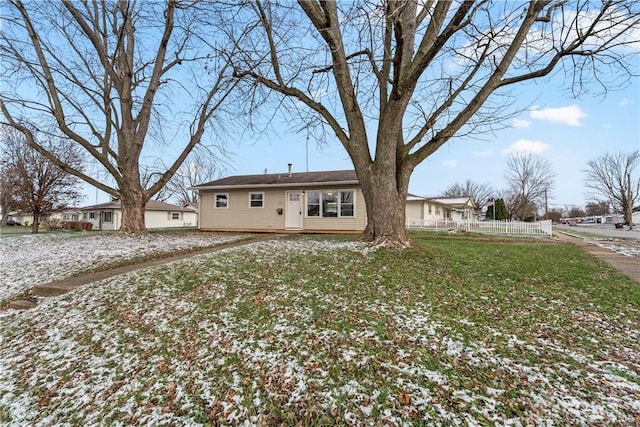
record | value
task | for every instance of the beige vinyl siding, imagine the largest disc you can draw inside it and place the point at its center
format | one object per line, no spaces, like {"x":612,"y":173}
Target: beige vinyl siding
{"x":238,"y":216}
{"x":356,"y":223}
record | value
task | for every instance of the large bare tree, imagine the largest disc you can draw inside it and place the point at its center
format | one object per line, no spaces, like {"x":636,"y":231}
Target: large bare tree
{"x":128,"y":81}
{"x":530,"y":180}
{"x":394,"y":80}
{"x":479,"y":192}
{"x":36,"y":185}
{"x":617,"y":178}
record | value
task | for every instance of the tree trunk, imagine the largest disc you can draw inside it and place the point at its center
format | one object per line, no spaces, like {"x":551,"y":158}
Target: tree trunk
{"x":133,"y":206}
{"x":35,"y":226}
{"x":385,"y":209}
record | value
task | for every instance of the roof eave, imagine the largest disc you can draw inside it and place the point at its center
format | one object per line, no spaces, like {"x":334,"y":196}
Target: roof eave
{"x":278,"y":185}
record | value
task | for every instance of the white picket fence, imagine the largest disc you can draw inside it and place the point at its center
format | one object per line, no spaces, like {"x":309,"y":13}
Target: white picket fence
{"x":538,"y":228}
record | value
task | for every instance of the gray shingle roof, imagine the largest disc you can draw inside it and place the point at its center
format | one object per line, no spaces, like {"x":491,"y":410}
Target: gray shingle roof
{"x":152,"y":205}
{"x":282,"y":179}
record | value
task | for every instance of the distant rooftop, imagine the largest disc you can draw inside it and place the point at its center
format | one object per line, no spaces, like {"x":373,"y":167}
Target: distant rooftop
{"x":152,"y":205}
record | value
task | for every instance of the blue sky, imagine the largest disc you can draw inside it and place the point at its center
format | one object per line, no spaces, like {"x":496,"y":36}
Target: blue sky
{"x":567,"y":131}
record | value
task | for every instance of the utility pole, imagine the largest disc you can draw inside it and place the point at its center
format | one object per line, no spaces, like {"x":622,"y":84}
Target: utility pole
{"x":546,"y":205}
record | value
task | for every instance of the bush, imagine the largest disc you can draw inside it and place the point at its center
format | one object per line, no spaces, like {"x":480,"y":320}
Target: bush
{"x":77,"y":226}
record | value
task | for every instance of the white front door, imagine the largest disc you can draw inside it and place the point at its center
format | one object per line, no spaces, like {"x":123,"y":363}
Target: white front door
{"x":293,"y":211}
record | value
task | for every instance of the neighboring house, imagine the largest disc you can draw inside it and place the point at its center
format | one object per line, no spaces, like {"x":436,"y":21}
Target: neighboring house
{"x":330,"y":201}
{"x":108,"y":216}
{"x":65,"y":216}
{"x":21,"y":217}
{"x":420,"y":211}
{"x":462,"y":208}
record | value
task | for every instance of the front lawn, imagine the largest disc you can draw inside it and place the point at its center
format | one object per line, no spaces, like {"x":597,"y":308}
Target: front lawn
{"x":27,"y":260}
{"x":460,"y":330}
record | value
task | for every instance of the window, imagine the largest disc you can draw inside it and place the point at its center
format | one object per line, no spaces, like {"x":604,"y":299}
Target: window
{"x":175,"y":216}
{"x":346,"y":203}
{"x":330,"y":204}
{"x":222,"y":200}
{"x":92,"y":215}
{"x":429,"y":209}
{"x":256,"y":200}
{"x":313,"y":203}
{"x":437,"y":210}
{"x":108,"y":216}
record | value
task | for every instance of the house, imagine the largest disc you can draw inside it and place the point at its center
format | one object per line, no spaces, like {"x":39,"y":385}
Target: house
{"x":462,"y":208}
{"x":423,"y":211}
{"x":420,"y":211}
{"x":108,"y":216}
{"x":329,"y":201}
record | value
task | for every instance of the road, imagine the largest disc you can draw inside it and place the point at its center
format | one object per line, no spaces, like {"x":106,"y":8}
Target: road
{"x":604,"y":230}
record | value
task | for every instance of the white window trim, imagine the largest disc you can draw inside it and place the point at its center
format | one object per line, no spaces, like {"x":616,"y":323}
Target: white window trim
{"x":110,"y":221}
{"x":171,"y":218}
{"x":306,"y":204}
{"x":263,"y":199}
{"x":215,"y":200}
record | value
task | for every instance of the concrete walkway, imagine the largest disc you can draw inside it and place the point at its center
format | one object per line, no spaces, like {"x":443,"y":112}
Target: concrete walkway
{"x":627,"y":265}
{"x":63,"y":286}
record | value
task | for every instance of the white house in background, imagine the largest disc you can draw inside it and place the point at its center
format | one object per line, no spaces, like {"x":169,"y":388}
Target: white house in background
{"x":462,"y":208}
{"x":424,"y":211}
{"x":108,"y":216}
{"x":420,"y":211}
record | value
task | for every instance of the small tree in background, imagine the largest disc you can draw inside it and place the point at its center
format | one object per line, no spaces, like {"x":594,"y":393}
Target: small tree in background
{"x":597,"y":208}
{"x":499,"y":208}
{"x":530,"y":179}
{"x":7,"y":198}
{"x":479,"y":192}
{"x":617,"y":178}
{"x":37,"y":185}
{"x":575,"y":212}
{"x":554,"y":215}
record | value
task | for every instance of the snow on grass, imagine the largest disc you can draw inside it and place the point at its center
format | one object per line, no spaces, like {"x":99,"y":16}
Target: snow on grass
{"x":32,"y":259}
{"x":313,"y":333}
{"x":627,"y":247}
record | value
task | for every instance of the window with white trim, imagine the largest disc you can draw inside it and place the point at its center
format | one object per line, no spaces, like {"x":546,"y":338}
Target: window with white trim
{"x":108,"y":217}
{"x":221,"y":200}
{"x":330,"y":204}
{"x":256,"y":200}
{"x":175,"y":216}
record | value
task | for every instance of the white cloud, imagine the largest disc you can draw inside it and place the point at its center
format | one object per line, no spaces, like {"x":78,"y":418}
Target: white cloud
{"x":450,"y":163}
{"x":571,"y":115}
{"x":520,"y":123}
{"x":525,"y":146}
{"x":624,"y":101}
{"x":483,"y":153}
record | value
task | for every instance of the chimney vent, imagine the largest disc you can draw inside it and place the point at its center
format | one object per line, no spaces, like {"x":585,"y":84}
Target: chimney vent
{"x":290,"y":164}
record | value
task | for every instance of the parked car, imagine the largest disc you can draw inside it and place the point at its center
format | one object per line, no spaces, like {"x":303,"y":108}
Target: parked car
{"x":573,"y":224}
{"x":619,"y":225}
{"x":13,"y":223}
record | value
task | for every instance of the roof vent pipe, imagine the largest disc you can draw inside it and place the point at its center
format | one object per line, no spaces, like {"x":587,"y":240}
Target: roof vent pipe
{"x":290,"y":168}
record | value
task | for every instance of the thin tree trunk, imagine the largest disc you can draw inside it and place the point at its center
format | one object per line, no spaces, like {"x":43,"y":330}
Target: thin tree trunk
{"x":36,"y":222}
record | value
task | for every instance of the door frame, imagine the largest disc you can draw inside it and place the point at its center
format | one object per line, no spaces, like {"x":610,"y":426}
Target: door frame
{"x":287,"y":222}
